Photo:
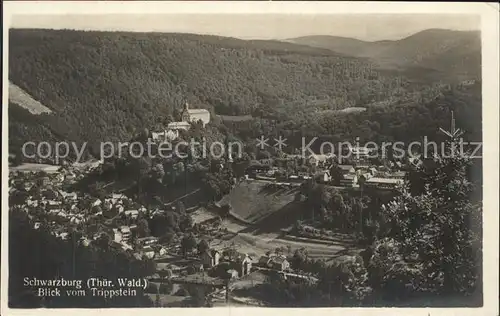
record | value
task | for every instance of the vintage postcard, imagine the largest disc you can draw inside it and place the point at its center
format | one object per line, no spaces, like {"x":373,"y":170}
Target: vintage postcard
{"x":317,"y":157}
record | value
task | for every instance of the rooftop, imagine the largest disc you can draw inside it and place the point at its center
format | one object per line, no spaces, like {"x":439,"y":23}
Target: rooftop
{"x":346,"y":167}
{"x":198,"y":111}
{"x":383,"y":180}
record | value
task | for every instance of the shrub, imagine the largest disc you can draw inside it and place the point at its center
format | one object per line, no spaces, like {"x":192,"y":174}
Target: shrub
{"x":165,"y":288}
{"x":152,"y":288}
{"x":390,"y":274}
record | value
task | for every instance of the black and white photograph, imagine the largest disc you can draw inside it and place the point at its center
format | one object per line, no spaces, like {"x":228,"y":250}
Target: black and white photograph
{"x":264,"y":159}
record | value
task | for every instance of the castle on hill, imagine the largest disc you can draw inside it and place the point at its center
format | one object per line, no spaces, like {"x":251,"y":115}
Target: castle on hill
{"x":187,"y":116}
{"x":195,"y":115}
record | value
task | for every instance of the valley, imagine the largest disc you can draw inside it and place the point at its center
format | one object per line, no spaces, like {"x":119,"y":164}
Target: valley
{"x":273,"y":224}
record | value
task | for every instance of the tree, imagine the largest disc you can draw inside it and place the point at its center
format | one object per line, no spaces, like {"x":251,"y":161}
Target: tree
{"x":181,"y":209}
{"x":440,"y":227}
{"x":203,"y":246}
{"x":143,"y":228}
{"x":186,"y":223}
{"x":188,"y":243}
{"x":158,"y":172}
{"x":336,"y":174}
{"x":143,"y":168}
{"x":167,"y":237}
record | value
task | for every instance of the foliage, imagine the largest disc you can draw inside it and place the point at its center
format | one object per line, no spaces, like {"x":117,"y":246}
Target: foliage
{"x":293,"y":97}
{"x":347,"y":280}
{"x":440,"y":227}
{"x":390,"y":275}
{"x":46,"y":257}
{"x":188,"y":243}
{"x":203,"y":246}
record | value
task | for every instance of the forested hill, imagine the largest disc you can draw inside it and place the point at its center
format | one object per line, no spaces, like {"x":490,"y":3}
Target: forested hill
{"x":103,"y":85}
{"x":452,"y":53}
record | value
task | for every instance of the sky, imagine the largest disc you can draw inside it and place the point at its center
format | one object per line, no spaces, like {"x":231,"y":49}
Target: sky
{"x":259,"y":26}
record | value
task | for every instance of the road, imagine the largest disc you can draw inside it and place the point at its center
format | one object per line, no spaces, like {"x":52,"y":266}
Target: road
{"x":182,"y":197}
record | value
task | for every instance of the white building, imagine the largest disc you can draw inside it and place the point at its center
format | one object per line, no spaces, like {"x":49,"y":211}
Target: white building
{"x":166,"y":135}
{"x":195,"y":115}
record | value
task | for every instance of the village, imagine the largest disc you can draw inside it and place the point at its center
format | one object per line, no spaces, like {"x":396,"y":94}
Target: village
{"x":206,"y":252}
{"x":117,"y":220}
{"x":205,"y":255}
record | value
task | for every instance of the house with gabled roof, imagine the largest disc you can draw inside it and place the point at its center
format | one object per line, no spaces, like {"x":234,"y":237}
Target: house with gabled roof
{"x":195,"y":115}
{"x":210,"y":258}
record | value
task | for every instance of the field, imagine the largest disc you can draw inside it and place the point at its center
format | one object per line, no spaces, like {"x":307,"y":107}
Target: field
{"x":254,"y":201}
{"x":23,"y":99}
{"x":259,"y":212}
{"x":35,"y":167}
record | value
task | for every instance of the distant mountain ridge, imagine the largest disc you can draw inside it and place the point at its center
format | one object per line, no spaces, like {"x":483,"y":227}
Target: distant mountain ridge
{"x":454,"y":52}
{"x":106,"y":85}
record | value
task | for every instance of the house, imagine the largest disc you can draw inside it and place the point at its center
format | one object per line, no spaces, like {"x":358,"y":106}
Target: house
{"x":162,"y":252}
{"x":175,"y":127}
{"x":44,"y":181}
{"x":148,"y":252}
{"x":84,"y":241}
{"x":137,"y":256}
{"x":468,"y":82}
{"x":125,"y":233}
{"x":279,"y":263}
{"x":359,"y":152}
{"x":210,"y":258}
{"x":95,"y":202}
{"x":117,"y":235}
{"x":31,"y":202}
{"x":126,"y":246}
{"x":257,"y":169}
{"x":147,"y":241}
{"x":274,"y":262}
{"x":70,"y":176}
{"x":54,"y":211}
{"x":197,"y":267}
{"x":53,"y":203}
{"x":233,"y":274}
{"x":397,"y":175}
{"x":373,"y":171}
{"x":75,"y":220}
{"x":167,"y":135}
{"x":26,"y":186}
{"x":245,"y":264}
{"x":349,"y":180}
{"x":72,"y":196}
{"x":59,"y":177}
{"x":195,"y":115}
{"x":347,"y":169}
{"x":63,"y":235}
{"x":316,"y":160}
{"x":323,"y":176}
{"x":383,"y":183}
{"x":119,"y":208}
{"x":115,"y":245}
{"x":132,"y":213}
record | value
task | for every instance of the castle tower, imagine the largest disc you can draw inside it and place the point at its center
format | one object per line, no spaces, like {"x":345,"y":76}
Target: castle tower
{"x":185,"y":117}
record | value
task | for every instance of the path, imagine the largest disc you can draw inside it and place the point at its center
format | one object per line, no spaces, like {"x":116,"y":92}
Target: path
{"x":184,"y":196}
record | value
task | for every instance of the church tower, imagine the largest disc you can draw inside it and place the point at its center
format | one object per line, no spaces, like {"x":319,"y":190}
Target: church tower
{"x":185,"y":113}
